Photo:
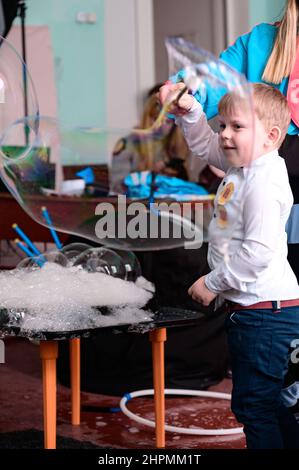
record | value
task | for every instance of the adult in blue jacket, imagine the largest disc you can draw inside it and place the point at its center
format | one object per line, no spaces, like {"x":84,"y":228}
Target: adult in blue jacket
{"x":269,"y":53}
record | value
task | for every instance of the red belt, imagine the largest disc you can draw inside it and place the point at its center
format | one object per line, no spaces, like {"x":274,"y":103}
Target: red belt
{"x":275,"y":305}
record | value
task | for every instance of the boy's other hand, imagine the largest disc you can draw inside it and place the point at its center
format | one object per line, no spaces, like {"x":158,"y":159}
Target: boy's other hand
{"x":169,"y":93}
{"x":200,"y":293}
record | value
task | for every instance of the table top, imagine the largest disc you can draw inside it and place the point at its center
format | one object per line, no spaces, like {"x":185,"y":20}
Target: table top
{"x":163,"y":317}
{"x":11,"y":212}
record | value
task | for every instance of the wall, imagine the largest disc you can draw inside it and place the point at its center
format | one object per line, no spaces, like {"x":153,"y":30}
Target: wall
{"x":236,"y":19}
{"x":129,"y":59}
{"x":79,"y":57}
{"x":265,"y":11}
{"x":102,"y":69}
{"x":192,"y":19}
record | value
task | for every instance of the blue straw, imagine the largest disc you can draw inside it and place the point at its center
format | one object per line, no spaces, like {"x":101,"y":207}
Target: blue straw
{"x":50,"y":226}
{"x":26,"y":239}
{"x":28,"y":252}
{"x":24,"y":248}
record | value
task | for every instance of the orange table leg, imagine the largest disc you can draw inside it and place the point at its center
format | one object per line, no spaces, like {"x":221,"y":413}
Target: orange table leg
{"x":49,"y":354}
{"x":75,"y":379}
{"x":158,"y":337}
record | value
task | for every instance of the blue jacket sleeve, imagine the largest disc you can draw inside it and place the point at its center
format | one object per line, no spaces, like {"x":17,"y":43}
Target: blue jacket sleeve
{"x":236,"y":55}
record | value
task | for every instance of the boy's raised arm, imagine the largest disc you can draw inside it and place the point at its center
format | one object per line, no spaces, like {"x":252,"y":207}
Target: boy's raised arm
{"x":201,"y":139}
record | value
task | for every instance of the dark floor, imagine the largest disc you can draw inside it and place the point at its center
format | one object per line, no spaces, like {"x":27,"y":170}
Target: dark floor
{"x":21,"y":409}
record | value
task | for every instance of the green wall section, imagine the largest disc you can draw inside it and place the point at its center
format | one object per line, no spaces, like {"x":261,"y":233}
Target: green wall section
{"x":78,"y":57}
{"x":79,"y":53}
{"x":265,"y":11}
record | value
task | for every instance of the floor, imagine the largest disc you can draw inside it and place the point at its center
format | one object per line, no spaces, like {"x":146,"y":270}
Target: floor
{"x":21,"y":409}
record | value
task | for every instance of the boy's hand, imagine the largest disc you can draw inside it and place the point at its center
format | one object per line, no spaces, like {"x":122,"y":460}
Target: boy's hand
{"x":169,"y":92}
{"x":200,"y":293}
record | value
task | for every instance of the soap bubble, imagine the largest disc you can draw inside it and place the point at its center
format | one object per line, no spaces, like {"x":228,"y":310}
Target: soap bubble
{"x":56,"y":257}
{"x":73,"y":250}
{"x":102,"y":260}
{"x":30,"y":264}
{"x":110,"y":220}
{"x":17,"y":98}
{"x":166,"y":214}
{"x":209,"y":79}
{"x":132,"y":265}
{"x":39,"y":261}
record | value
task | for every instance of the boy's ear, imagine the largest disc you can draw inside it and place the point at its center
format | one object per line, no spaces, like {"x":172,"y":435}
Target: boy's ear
{"x":274,"y":136}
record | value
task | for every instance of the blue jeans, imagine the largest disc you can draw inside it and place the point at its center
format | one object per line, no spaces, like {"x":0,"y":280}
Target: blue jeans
{"x":259,"y":343}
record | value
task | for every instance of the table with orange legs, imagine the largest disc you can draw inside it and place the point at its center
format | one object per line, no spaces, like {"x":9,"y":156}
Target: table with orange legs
{"x":49,"y":355}
{"x":163,"y":318}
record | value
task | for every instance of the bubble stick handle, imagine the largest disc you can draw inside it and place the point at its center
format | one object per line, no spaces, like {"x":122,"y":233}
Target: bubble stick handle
{"x":29,"y":253}
{"x":26,"y":240}
{"x":24,"y":248}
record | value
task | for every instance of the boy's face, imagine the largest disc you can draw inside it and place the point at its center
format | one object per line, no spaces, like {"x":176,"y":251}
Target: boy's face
{"x":242,"y":137}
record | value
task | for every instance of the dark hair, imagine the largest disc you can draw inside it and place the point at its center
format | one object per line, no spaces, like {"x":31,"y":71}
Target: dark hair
{"x":178,"y":165}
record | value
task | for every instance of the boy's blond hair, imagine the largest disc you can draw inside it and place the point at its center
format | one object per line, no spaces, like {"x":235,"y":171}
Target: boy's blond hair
{"x":269,"y":104}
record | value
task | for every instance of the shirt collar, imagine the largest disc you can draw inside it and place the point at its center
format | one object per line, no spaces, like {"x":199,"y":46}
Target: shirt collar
{"x":262,"y":160}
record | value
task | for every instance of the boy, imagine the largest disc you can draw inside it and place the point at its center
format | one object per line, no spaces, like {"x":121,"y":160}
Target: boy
{"x":255,"y":277}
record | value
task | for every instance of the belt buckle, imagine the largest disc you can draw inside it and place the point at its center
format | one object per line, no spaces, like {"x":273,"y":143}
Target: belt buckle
{"x":276,"y":306}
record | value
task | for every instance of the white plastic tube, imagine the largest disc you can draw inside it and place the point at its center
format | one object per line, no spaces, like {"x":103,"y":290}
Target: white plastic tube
{"x":193,"y":431}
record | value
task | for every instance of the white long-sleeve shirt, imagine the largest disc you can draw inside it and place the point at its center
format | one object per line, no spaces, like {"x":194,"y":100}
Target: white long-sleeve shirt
{"x":247,"y":238}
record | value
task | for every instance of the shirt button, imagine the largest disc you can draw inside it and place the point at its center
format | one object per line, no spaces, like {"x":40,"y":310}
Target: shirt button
{"x":214,"y":215}
{"x":223,"y":183}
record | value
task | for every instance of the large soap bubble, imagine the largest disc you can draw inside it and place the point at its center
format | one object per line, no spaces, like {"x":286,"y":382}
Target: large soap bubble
{"x":132,"y":265}
{"x":38,"y":176}
{"x":37,"y":262}
{"x":73,"y":250}
{"x":209,"y":80}
{"x":102,"y":260}
{"x":177,"y":217}
{"x":17,"y":97}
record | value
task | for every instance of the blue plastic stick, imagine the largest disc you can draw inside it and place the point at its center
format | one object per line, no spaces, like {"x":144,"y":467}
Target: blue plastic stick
{"x":28,"y":252}
{"x":50,"y":226}
{"x":26,"y":240}
{"x":24,"y":248}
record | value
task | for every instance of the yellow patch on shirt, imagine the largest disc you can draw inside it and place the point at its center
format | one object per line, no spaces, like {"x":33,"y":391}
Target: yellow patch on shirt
{"x":222,"y":219}
{"x":226,"y":193}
